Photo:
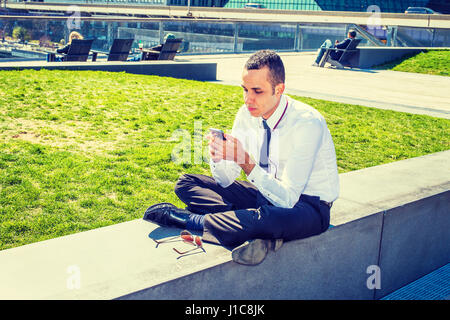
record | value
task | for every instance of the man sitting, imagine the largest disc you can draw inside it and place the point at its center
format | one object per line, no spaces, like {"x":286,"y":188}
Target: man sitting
{"x":154,"y":52}
{"x":334,"y":54}
{"x":287,"y":153}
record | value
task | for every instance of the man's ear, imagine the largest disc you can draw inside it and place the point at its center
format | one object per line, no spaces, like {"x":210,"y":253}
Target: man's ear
{"x":279,"y":89}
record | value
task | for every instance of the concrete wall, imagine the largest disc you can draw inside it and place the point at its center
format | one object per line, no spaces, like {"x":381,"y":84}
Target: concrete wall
{"x":415,"y":241}
{"x":405,"y":243}
{"x":375,"y":56}
{"x":175,"y":69}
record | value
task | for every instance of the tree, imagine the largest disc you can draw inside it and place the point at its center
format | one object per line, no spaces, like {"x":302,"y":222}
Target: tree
{"x":21,"y":34}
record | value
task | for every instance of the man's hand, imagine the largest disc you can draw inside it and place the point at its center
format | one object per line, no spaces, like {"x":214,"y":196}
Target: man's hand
{"x":229,"y":149}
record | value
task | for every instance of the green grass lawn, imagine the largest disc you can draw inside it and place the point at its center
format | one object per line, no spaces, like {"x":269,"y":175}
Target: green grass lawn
{"x":435,"y":62}
{"x":82,"y":149}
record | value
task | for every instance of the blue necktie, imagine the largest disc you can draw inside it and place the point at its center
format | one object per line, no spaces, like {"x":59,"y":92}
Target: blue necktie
{"x":264,"y":155}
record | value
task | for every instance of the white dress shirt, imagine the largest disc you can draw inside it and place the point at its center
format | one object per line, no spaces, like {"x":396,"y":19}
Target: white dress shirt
{"x":302,"y":158}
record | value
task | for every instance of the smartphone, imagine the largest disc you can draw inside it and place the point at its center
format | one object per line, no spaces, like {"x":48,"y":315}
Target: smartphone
{"x":217,"y":133}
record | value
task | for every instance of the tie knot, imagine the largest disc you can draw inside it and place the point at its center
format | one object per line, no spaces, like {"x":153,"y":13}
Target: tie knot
{"x":266,"y":126}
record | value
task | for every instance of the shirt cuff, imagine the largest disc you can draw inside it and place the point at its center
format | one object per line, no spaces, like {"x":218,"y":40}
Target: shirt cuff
{"x":256,"y":176}
{"x":224,"y":172}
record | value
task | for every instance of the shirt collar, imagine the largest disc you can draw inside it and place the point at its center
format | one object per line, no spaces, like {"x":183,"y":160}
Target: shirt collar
{"x":275,"y":117}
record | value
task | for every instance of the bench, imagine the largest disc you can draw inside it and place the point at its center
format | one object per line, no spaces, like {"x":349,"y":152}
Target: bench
{"x":168,"y":51}
{"x":78,"y":51}
{"x":119,"y":51}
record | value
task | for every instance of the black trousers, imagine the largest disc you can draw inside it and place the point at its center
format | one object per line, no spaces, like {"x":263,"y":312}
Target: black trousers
{"x":240,"y":212}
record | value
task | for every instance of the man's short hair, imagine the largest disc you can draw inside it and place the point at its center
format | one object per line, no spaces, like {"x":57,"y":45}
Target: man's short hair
{"x":169,"y":36}
{"x":270,"y":59}
{"x":352,"y":33}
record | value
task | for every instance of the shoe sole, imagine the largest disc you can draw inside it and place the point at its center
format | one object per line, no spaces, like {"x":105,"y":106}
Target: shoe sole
{"x":251,"y":252}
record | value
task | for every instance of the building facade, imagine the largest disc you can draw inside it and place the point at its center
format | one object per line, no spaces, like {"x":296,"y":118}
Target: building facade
{"x":396,"y":6}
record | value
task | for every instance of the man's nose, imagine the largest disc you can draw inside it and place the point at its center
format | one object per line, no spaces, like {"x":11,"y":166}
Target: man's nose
{"x":248,"y":98}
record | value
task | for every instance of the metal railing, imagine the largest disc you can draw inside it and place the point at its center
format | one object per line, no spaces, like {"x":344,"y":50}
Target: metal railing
{"x":212,"y":36}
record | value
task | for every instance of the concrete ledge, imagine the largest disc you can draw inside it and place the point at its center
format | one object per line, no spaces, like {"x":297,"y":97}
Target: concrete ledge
{"x":320,"y":267}
{"x":375,"y":56}
{"x":393,"y":216}
{"x":202,"y":71}
{"x":381,"y":188}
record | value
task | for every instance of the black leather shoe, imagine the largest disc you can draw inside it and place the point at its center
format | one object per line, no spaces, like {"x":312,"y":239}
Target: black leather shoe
{"x":167,"y":215}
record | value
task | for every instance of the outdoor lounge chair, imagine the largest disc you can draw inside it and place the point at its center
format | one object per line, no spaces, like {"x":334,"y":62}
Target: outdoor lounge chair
{"x":168,"y":51}
{"x":349,"y":57}
{"x":79,"y":50}
{"x":120,"y":49}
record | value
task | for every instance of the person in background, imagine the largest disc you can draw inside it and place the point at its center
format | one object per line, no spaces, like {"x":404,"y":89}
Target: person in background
{"x":159,"y":46}
{"x":65,"y":49}
{"x":73,"y":35}
{"x":148,"y":55}
{"x":335,"y":54}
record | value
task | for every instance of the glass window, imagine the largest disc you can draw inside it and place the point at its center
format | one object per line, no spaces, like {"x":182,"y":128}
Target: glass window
{"x":274,"y":36}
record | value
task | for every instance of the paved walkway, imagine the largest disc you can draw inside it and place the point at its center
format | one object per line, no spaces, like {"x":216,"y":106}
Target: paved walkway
{"x":400,"y":91}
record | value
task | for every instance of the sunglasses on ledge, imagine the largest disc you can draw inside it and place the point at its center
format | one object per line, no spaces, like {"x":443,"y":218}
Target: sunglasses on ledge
{"x":186,"y":237}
